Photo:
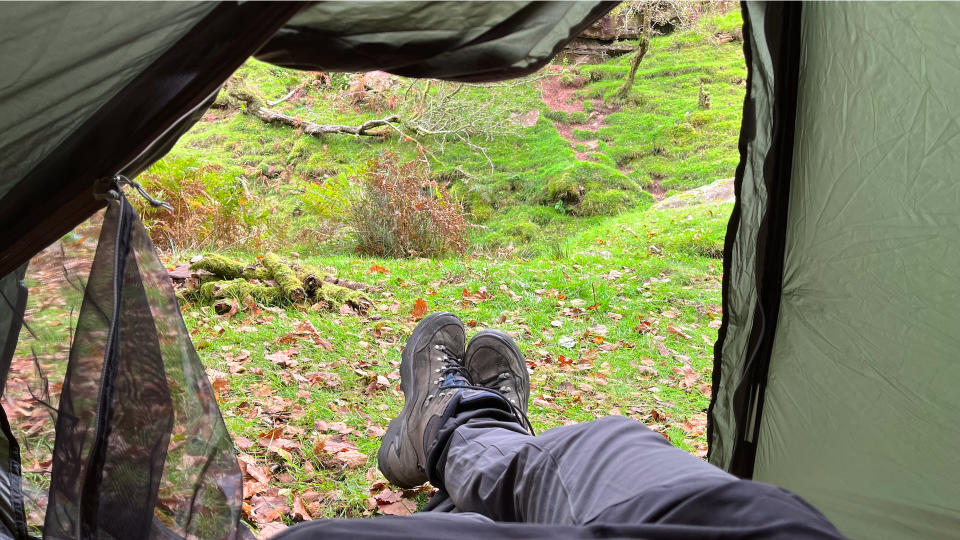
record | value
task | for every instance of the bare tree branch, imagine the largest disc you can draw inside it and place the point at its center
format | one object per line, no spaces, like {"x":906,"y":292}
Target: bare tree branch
{"x":255,"y":107}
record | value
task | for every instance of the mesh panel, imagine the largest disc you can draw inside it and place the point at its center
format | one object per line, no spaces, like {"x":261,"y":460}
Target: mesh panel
{"x":55,"y":280}
{"x":141,"y":449}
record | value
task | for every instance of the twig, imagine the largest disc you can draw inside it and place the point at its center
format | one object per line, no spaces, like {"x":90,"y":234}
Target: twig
{"x":284,"y":98}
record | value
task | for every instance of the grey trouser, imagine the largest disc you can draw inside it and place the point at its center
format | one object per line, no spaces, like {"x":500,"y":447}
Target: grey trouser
{"x":613,"y":477}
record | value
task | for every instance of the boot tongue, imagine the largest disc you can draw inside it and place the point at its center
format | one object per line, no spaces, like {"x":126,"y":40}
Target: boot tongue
{"x":455,"y":376}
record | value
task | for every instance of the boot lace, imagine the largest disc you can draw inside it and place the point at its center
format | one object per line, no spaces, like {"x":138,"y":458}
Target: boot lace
{"x":454,"y":375}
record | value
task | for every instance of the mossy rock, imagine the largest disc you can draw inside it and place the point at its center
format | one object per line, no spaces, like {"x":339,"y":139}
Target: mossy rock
{"x":563,"y":188}
{"x":609,"y":202}
{"x":481,"y":211}
{"x":589,"y":189}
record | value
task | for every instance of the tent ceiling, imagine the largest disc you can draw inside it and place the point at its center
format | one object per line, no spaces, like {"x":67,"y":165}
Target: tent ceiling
{"x":91,"y":90}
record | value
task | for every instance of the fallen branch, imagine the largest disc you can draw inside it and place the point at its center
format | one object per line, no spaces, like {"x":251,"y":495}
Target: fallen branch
{"x":256,"y":108}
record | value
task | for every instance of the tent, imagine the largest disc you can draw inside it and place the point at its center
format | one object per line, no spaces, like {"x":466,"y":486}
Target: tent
{"x":835,"y":368}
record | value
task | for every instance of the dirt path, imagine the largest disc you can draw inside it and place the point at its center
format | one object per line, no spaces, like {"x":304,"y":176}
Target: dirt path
{"x":562,"y":98}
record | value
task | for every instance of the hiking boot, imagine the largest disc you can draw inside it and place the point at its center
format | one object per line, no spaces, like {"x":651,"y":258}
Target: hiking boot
{"x":431,"y":372}
{"x":494,"y":361}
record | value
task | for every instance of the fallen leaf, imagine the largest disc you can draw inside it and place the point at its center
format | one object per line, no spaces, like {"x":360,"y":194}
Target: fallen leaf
{"x":242,"y":443}
{"x":378,"y":383}
{"x":267,"y":507}
{"x":388,"y":496}
{"x":351,"y":458}
{"x":567,"y":342}
{"x":284,"y":358}
{"x":299,"y":511}
{"x":219,"y":381}
{"x":673,"y":329}
{"x":419,"y":308}
{"x":400,"y":508}
{"x":377,"y":268}
{"x":689,"y":377}
{"x":270,"y":529}
{"x":670,"y":314}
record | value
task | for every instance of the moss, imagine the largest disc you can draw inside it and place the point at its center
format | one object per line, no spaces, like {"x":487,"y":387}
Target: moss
{"x":590,"y":189}
{"x":563,"y":188}
{"x":285,"y":277}
{"x":604,"y":203}
{"x":224,"y":267}
{"x":336,"y":296}
{"x":240,"y":289}
{"x":481,"y":211}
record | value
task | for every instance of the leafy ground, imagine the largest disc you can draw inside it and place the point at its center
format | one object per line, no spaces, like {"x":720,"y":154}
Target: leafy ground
{"x":622,"y":323}
{"x":615,"y":305}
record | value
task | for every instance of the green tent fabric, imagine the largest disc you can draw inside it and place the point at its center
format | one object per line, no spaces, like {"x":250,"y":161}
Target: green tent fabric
{"x":464,"y":41}
{"x":854,"y":373}
{"x":835,"y":369}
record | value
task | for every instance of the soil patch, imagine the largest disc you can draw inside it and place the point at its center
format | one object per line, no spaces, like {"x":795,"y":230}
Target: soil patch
{"x":561,"y":98}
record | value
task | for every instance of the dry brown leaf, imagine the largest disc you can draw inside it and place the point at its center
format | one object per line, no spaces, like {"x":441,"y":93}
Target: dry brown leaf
{"x":269,"y":530}
{"x":351,"y":458}
{"x":403,"y":507}
{"x":673,"y":329}
{"x":388,"y":496}
{"x":299,"y":512}
{"x":242,"y":443}
{"x":419,"y":308}
{"x":688,"y":377}
{"x":260,"y":474}
{"x":219,"y":381}
{"x":284,"y":358}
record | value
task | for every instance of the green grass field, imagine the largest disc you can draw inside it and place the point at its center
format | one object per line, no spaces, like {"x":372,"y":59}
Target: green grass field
{"x":614,"y":305}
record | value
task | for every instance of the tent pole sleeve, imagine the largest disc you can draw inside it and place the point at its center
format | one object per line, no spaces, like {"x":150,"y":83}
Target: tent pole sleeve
{"x":782,"y":28}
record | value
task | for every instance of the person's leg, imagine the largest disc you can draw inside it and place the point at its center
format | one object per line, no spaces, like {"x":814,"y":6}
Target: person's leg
{"x":613,"y":471}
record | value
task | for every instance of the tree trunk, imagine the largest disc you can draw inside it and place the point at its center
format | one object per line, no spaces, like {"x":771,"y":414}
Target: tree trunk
{"x":642,"y":46}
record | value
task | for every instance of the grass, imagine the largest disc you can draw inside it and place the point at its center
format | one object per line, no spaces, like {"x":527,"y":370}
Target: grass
{"x":639,"y":284}
{"x":657,"y":136}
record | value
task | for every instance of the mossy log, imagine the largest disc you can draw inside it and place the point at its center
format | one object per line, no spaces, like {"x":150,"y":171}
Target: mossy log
{"x":337,"y":296}
{"x":227,"y":268}
{"x":274,"y":282}
{"x":240,"y":288}
{"x":220,"y":266}
{"x":285,"y":277}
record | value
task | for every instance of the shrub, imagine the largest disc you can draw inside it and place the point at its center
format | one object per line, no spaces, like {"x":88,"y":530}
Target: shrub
{"x":399,"y":212}
{"x":212,"y":206}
